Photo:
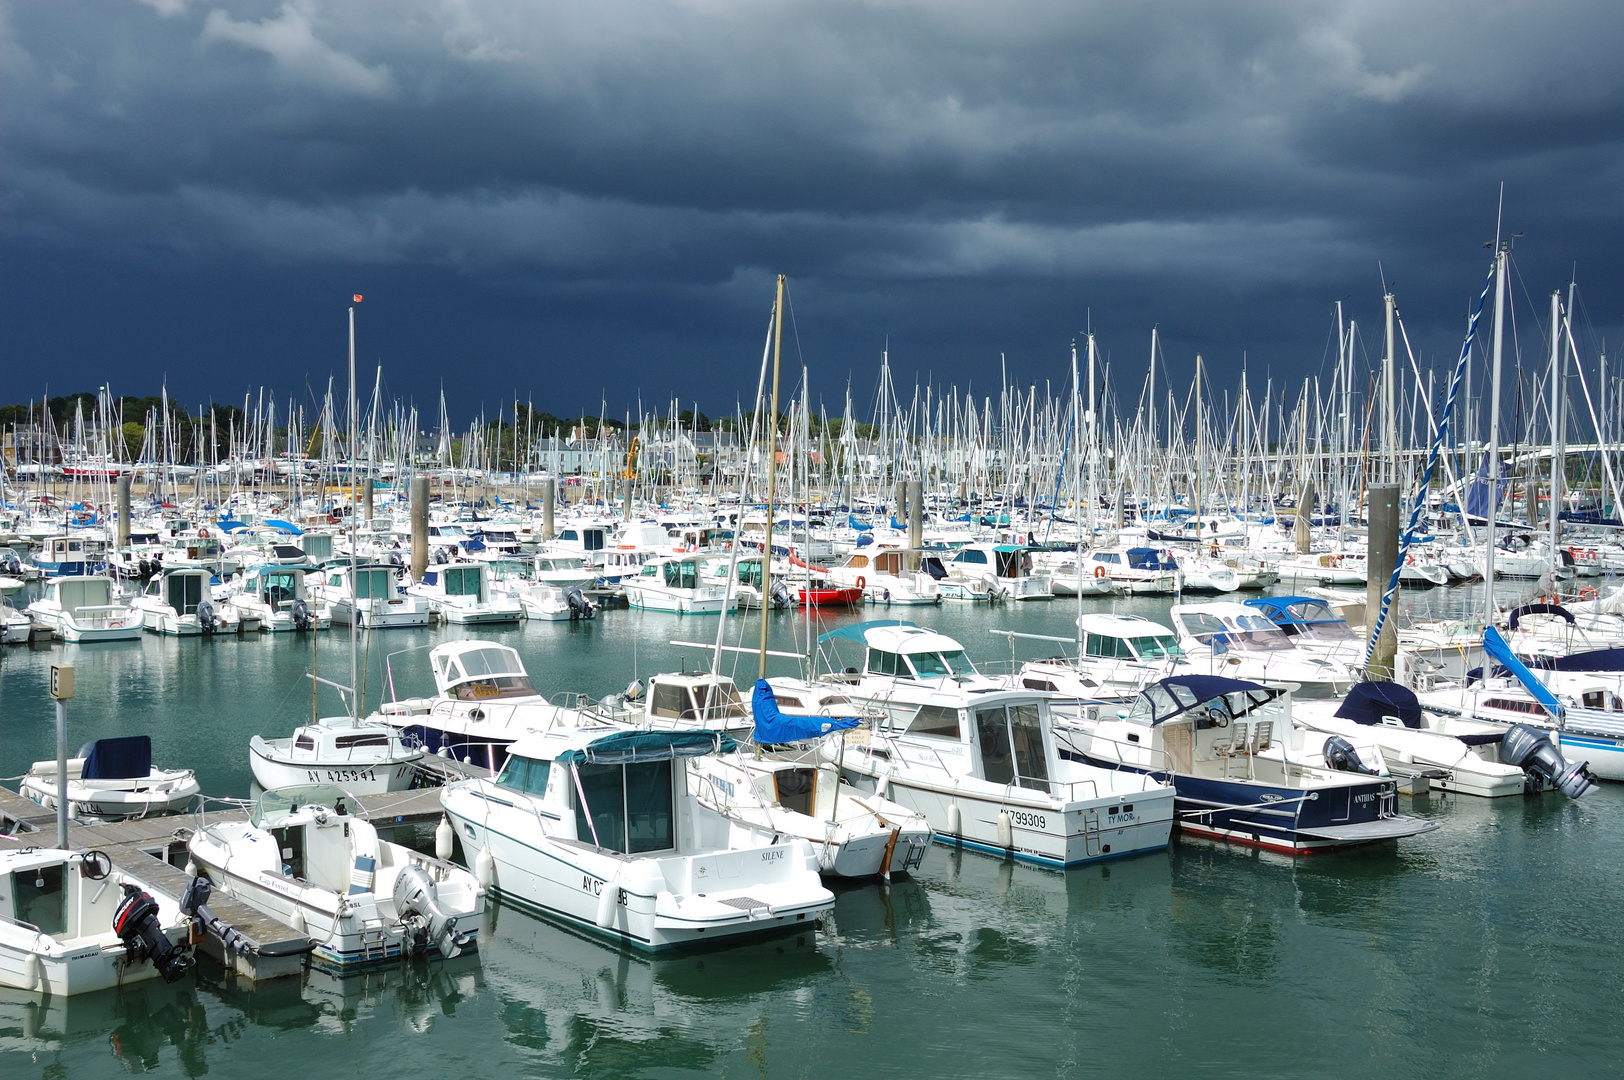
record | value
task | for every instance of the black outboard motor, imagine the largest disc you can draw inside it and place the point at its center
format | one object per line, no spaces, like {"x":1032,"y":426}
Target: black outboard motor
{"x":301,"y":615}
{"x":135,"y":921}
{"x":1535,"y":753}
{"x":194,"y":904}
{"x":580,"y":606}
{"x":1341,"y":756}
{"x":207,"y":618}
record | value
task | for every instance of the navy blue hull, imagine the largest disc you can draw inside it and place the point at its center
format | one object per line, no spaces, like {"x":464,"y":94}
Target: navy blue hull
{"x":487,"y":753}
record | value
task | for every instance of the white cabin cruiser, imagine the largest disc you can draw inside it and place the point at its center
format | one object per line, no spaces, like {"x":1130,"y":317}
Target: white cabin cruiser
{"x":460,"y":594}
{"x":678,"y":585}
{"x":362,"y":757}
{"x":1006,"y":570}
{"x":1137,"y":570}
{"x":73,"y":923}
{"x":1118,"y":654}
{"x":368,"y":592}
{"x":1239,"y":642}
{"x":884,"y":577}
{"x":113,"y":779}
{"x":305,"y":859}
{"x":177,"y":602}
{"x":278,"y":597}
{"x":598,"y":828}
{"x":979,"y":761}
{"x":86,"y":609}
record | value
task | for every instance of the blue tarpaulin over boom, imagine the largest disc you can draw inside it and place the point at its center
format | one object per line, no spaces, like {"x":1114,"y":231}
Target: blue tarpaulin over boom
{"x":626,"y":747}
{"x":773,"y":726}
{"x":1496,"y":647}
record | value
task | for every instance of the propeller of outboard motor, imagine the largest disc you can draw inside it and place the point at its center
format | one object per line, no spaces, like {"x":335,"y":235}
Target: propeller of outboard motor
{"x":206,"y":617}
{"x":1535,"y":752}
{"x":1341,"y":756}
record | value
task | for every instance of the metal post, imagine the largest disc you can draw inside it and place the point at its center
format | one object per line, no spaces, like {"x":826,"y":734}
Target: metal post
{"x":62,"y":690}
{"x":420,"y":526}
{"x":366,"y":502}
{"x":916,"y":518}
{"x":123,"y":512}
{"x":1305,"y":514}
{"x":1382,"y":503}
{"x":549,"y":495}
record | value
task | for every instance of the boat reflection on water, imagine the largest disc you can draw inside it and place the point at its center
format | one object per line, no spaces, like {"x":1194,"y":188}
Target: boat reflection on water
{"x":576,"y":999}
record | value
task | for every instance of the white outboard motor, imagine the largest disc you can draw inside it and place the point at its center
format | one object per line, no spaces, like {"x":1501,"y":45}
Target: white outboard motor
{"x":301,"y":615}
{"x":782,"y":597}
{"x":207,"y":617}
{"x":1341,"y":756}
{"x":580,"y":606}
{"x":1535,"y":753}
{"x":418,"y":907}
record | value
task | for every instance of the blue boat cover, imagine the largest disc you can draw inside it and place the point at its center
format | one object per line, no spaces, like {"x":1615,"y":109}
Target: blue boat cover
{"x":128,"y":757}
{"x":1594,"y":660}
{"x":626,"y":747}
{"x":1370,"y":702}
{"x":285,"y":527}
{"x":1179,"y":694}
{"x":1537,"y":609}
{"x":1496,"y":647}
{"x":773,"y":726}
{"x":1284,"y":610}
{"x":858,"y":525}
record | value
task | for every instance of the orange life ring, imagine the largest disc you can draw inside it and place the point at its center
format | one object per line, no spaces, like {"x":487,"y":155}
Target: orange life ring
{"x":203,"y":533}
{"x":1409,"y":560}
{"x":862,"y":582}
{"x":1099,"y":571}
{"x":1587,"y":593}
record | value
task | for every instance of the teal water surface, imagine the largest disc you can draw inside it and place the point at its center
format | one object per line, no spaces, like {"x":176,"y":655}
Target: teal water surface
{"x":1487,"y":948}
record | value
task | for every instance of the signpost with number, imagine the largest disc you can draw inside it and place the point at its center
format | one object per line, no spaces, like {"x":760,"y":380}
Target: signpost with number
{"x":61,"y":690}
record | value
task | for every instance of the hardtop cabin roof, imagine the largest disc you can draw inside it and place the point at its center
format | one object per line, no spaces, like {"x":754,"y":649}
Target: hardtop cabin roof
{"x":1122,"y":626}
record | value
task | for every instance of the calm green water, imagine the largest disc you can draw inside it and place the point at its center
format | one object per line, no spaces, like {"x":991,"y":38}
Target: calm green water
{"x":1487,"y":948}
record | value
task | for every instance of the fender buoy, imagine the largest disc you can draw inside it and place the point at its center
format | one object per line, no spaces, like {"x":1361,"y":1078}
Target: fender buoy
{"x":1099,"y":571}
{"x":862,"y":582}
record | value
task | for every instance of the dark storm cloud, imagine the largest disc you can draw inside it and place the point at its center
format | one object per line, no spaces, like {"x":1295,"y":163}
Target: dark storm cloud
{"x":536,"y":183}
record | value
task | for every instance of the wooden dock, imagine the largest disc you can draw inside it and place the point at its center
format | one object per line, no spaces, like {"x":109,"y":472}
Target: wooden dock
{"x":154,"y":850}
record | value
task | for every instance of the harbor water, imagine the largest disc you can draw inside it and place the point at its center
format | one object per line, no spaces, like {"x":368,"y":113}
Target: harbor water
{"x":1486,"y":948}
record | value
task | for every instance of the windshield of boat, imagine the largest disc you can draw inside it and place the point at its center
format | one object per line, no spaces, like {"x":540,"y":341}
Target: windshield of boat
{"x":1156,"y":646}
{"x":723,"y":700}
{"x":492,"y":673}
{"x":1239,"y":633}
{"x":935,"y":665}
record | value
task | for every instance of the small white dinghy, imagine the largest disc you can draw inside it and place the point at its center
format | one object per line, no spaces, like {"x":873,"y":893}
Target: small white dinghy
{"x":362,"y":757}
{"x":72,"y":923}
{"x":113,"y":779}
{"x":305,"y":859}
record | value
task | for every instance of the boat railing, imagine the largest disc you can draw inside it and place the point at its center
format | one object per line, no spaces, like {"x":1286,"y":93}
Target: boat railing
{"x":1117,"y":747}
{"x":98,"y":615}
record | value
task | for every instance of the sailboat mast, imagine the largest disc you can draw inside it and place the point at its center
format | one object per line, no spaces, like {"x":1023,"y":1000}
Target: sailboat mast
{"x":1492,"y":458}
{"x":772,"y":475}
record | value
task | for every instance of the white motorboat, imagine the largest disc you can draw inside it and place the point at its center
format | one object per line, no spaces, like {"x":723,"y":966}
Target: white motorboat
{"x":177,"y":602}
{"x":73,"y":923}
{"x":113,"y":779}
{"x":1239,"y":642}
{"x":1465,"y":759}
{"x":368,"y":593}
{"x":84,"y":608}
{"x":598,"y":828}
{"x":362,"y":757}
{"x":553,"y":603}
{"x":460,"y":594}
{"x":978,"y":759}
{"x":1006,"y":570}
{"x":277,"y":597}
{"x":1116,"y":654}
{"x":884,"y":576}
{"x":1140,"y":571}
{"x":16,"y":628}
{"x":677,"y":584}
{"x":305,"y":859}
{"x":1244,"y":771}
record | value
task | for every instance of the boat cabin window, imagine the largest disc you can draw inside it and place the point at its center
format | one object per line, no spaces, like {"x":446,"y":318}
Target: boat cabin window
{"x":1011,"y":742}
{"x":797,"y":789}
{"x":40,"y":898}
{"x":372,"y":584}
{"x":462,"y":581}
{"x":669,"y":700}
{"x":723,"y":699}
{"x":290,"y":847}
{"x":525,"y":775}
{"x":281,"y":587}
{"x":857,"y":562}
{"x":787,"y":702}
{"x":1104,"y":645}
{"x":888,"y":562}
{"x":1250,"y":633}
{"x":882,"y":663}
{"x":1039,"y":684}
{"x":569,"y":534}
{"x":750,"y":573}
{"x":627,"y":808}
{"x":682,"y":575}
{"x":970,"y":555}
{"x":350,"y":742}
{"x":304,"y":742}
{"x":1156,"y":647}
{"x":491,"y":673}
{"x":593,"y":539}
{"x":935,"y":720}
{"x":936,"y":665}
{"x":185,"y":592}
{"x":1515,"y":705}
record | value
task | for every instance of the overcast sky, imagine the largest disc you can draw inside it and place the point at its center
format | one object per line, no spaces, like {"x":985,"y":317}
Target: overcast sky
{"x":590,"y":201}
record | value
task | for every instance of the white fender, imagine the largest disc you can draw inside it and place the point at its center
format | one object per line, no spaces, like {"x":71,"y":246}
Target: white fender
{"x":955,"y":820}
{"x":297,"y":921}
{"x":484,"y":868}
{"x":608,"y":900}
{"x":1006,"y":830}
{"x":443,"y":837}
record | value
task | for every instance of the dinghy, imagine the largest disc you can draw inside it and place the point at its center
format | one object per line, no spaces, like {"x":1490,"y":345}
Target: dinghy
{"x":113,"y":779}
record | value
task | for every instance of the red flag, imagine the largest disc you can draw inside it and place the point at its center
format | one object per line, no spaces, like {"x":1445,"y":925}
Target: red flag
{"x":357,"y":298}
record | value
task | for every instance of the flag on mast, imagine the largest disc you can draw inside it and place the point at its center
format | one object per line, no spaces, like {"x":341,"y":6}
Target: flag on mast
{"x":357,"y":298}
